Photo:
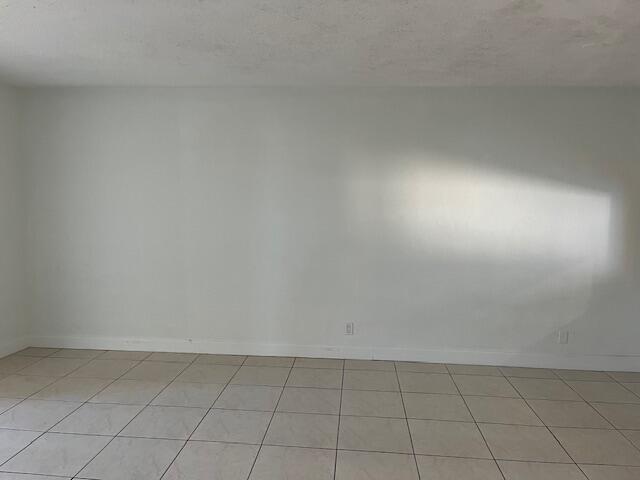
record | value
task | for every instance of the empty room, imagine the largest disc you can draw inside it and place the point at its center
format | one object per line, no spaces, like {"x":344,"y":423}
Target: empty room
{"x":330,"y":240}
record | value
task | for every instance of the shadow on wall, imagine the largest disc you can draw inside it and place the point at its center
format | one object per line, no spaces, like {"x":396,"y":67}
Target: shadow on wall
{"x":519,"y":254}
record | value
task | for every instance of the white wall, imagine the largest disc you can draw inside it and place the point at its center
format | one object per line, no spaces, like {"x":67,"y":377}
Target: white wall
{"x":13,"y":323}
{"x":448,"y":224}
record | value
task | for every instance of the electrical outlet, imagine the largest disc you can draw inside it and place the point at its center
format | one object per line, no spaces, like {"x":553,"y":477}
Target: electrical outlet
{"x":348,"y":328}
{"x":563,"y":337}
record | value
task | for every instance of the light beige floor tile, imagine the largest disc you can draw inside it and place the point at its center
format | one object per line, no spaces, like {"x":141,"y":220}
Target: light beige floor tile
{"x":474,"y":370}
{"x":181,"y":394}
{"x":584,"y":375}
{"x":132,"y":392}
{"x":315,"y":377}
{"x":379,"y":365}
{"x":15,"y":363}
{"x":443,"y":468}
{"x":451,"y":439}
{"x":634,"y":387}
{"x":319,"y":363}
{"x":484,"y":385}
{"x":172,"y":357}
{"x":37,"y":351}
{"x":556,"y":413}
{"x":7,"y":403}
{"x":76,"y":353}
{"x":155,"y":371}
{"x":39,"y":415}
{"x":517,"y":442}
{"x":290,"y":463}
{"x":17,"y":386}
{"x":543,"y":389}
{"x":98,"y":419}
{"x":56,"y":454}
{"x":374,"y":434}
{"x":235,"y":426}
{"x":176,"y":423}
{"x":633,"y":436}
{"x":203,"y":373}
{"x":370,"y":380}
{"x":631,"y":377}
{"x":12,"y":441}
{"x":604,"y":392}
{"x":622,"y":416}
{"x":604,"y":472}
{"x":433,"y":406}
{"x":268,"y":376}
{"x":524,"y":372}
{"x":514,"y":411}
{"x":124,"y":355}
{"x":426,"y":383}
{"x":72,"y":389}
{"x":606,"y":447}
{"x":303,"y":430}
{"x":255,"y":361}
{"x":375,"y":466}
{"x":104,"y":368}
{"x":28,"y":476}
{"x":214,"y":359}
{"x":419,"y":367}
{"x":249,"y":397}
{"x":212,"y":461}
{"x":540,"y":471}
{"x":371,"y":403}
{"x":133,"y":459}
{"x":310,"y":400}
{"x":54,"y":367}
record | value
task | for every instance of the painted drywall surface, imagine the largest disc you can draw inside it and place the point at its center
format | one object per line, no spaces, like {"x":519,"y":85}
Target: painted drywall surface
{"x":435,"y":219}
{"x":13,"y":325}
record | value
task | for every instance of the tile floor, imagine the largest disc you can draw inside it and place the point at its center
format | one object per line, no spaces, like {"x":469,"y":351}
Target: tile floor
{"x":112,"y":415}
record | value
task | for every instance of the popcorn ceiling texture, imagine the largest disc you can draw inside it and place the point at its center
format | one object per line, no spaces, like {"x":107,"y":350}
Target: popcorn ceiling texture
{"x":329,"y":42}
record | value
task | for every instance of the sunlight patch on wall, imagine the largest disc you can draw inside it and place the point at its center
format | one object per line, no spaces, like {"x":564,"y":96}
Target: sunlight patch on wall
{"x":475,"y":212}
{"x":454,"y":210}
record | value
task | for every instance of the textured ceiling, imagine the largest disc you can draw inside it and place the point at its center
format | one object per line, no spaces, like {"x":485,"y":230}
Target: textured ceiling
{"x":320,"y":42}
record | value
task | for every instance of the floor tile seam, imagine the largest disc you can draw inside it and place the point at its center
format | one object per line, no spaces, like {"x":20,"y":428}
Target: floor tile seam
{"x":554,"y":435}
{"x":81,"y":404}
{"x":58,"y":422}
{"x":56,"y":376}
{"x":204,"y":416}
{"x":404,"y":408}
{"x":335,"y":462}
{"x":636,"y":447}
{"x":264,"y":436}
{"x":628,"y":389}
{"x":149,"y":353}
{"x":486,"y":444}
{"x":129,"y":422}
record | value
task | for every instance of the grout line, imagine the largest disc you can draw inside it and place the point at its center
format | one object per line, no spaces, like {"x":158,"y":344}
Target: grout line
{"x":637,"y":447}
{"x":335,"y":463}
{"x":132,"y":419}
{"x":549,"y":430}
{"x":404,"y":408}
{"x":255,"y":460}
{"x":476,"y":424}
{"x":188,"y":364}
{"x":45,"y":387}
{"x":207,"y":412}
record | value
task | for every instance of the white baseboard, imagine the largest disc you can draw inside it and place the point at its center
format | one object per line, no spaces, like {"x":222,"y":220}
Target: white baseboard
{"x":516,"y":359}
{"x":14,"y":345}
